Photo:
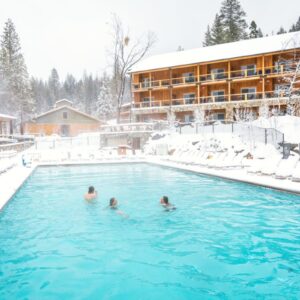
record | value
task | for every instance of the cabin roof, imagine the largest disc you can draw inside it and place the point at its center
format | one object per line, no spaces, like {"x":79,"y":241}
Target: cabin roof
{"x":4,"y":117}
{"x":66,"y":107}
{"x":64,"y":100}
{"x":243,"y":48}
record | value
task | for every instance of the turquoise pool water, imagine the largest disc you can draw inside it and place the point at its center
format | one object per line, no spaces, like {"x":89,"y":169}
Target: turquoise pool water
{"x":225,"y":241}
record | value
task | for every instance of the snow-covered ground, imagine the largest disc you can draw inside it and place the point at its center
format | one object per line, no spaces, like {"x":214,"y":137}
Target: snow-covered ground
{"x":288,"y":125}
{"x":228,"y":151}
{"x":226,"y":155}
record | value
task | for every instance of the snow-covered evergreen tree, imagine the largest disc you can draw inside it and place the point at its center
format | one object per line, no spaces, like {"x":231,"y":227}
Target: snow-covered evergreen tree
{"x":69,"y":87}
{"x":296,"y":26}
{"x":281,"y":30}
{"x":105,"y":106}
{"x":255,"y":32}
{"x":14,"y":74}
{"x":54,"y":87}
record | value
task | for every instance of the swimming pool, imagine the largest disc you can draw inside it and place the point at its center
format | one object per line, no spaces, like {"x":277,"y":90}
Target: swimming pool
{"x":226,"y":240}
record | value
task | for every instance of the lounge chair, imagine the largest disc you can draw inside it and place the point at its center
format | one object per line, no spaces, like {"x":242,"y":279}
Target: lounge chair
{"x":286,"y":167}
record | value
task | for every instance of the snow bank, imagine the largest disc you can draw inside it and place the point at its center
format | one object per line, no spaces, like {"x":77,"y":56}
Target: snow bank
{"x":288,"y":125}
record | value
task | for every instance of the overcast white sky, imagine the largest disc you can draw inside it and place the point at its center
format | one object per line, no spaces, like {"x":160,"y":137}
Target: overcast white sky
{"x":73,"y":35}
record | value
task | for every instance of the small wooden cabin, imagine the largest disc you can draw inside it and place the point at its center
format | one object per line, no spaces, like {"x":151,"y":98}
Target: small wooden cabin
{"x":63,"y":120}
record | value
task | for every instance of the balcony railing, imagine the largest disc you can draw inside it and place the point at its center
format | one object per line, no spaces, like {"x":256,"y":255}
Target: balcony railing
{"x":209,"y":99}
{"x":215,"y":77}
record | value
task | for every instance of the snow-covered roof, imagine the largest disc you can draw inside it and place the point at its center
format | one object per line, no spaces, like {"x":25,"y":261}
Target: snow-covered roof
{"x":63,"y":101}
{"x":6,"y":117}
{"x":243,"y":48}
{"x":66,"y":107}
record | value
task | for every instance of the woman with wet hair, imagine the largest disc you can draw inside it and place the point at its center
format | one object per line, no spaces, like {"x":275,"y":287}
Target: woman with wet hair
{"x":91,"y":194}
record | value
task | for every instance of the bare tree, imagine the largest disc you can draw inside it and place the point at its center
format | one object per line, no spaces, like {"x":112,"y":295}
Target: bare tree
{"x":290,"y":64}
{"x":125,"y":54}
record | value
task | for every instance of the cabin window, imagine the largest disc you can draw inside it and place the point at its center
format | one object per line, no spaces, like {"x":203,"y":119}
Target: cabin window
{"x":249,"y":70}
{"x":189,"y":98}
{"x":248,"y":93}
{"x":219,"y":96}
{"x":188,"y":77}
{"x":218,"y":73}
{"x":65,"y":115}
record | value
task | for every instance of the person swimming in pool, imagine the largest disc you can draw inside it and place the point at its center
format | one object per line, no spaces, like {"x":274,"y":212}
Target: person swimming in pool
{"x":91,"y":194}
{"x":113,"y":204}
{"x":164,"y":201}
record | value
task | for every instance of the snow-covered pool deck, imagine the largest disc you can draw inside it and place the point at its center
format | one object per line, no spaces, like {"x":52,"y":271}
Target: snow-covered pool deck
{"x":13,"y":179}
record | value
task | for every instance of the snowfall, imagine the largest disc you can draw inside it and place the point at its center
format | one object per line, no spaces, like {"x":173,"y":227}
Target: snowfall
{"x":223,"y":154}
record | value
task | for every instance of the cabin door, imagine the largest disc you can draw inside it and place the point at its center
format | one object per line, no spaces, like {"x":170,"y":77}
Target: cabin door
{"x":64,"y":130}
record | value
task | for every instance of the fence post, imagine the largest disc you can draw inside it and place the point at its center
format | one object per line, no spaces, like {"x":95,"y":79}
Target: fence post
{"x":213,"y":128}
{"x":266,"y":137}
{"x":232,"y":127}
{"x":196,"y":127}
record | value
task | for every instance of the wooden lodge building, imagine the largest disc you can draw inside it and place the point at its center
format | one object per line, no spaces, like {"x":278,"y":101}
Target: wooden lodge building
{"x":219,"y":80}
{"x":6,"y":124}
{"x":63,"y":120}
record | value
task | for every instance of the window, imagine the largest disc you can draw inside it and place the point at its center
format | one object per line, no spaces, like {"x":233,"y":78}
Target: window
{"x":189,"y":98}
{"x":188,"y":77}
{"x":65,"y":115}
{"x":145,"y":82}
{"x":248,"y":93}
{"x":218,"y":73}
{"x":188,"y":118}
{"x":249,"y":70}
{"x":147,"y":99}
{"x":218,"y":96}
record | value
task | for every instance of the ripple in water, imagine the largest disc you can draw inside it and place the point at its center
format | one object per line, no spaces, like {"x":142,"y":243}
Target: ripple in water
{"x":225,"y":241}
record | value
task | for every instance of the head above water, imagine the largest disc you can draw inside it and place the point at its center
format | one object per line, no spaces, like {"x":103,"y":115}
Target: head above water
{"x":113,"y":202}
{"x":165,"y":199}
{"x":91,"y":190}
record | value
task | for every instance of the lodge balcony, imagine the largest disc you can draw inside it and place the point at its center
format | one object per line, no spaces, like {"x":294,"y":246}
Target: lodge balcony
{"x":215,"y":78}
{"x":246,"y":98}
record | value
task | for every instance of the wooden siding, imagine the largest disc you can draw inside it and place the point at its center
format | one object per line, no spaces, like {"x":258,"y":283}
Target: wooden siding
{"x":49,"y":129}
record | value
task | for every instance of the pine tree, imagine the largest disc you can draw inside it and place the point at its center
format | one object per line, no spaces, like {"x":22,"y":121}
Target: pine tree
{"x":105,"y":106}
{"x":281,"y":30}
{"x":69,"y":87}
{"x":229,"y":25}
{"x":217,"y":31}
{"x":207,"y":38}
{"x":296,"y":26}
{"x":14,"y":73}
{"x":54,"y":87}
{"x":255,"y":32}
{"x":233,"y":20}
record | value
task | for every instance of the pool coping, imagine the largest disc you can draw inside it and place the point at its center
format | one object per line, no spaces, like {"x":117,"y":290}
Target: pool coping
{"x":282,"y":185}
{"x":20,"y":174}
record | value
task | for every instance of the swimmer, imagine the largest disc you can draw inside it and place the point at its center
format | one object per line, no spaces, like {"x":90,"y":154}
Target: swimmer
{"x":113,"y":204}
{"x":91,"y":194}
{"x":164,"y":201}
